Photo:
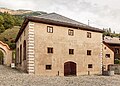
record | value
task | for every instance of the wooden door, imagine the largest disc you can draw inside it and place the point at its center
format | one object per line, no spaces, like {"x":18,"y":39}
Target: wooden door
{"x":69,"y":68}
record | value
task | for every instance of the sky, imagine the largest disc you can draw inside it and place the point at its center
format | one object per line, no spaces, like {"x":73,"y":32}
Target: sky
{"x":100,"y":13}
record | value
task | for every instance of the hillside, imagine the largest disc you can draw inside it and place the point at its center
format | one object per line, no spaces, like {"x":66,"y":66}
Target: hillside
{"x":9,"y":35}
{"x":21,"y":12}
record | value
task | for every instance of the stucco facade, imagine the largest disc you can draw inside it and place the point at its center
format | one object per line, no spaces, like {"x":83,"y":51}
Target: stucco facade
{"x":38,"y":40}
{"x":108,"y":56}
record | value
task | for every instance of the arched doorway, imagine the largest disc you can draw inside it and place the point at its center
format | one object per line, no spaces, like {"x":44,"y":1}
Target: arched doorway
{"x":1,"y":58}
{"x":69,"y":68}
{"x":6,"y":54}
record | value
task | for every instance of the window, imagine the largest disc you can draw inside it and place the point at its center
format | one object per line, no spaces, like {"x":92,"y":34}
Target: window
{"x":50,"y":50}
{"x":21,"y":54}
{"x":70,"y":32}
{"x":90,"y":66}
{"x":49,"y":29}
{"x":89,"y":52}
{"x":88,"y":35}
{"x":107,"y":55}
{"x":17,"y":58}
{"x":48,"y":67}
{"x":24,"y":50}
{"x":71,"y":51}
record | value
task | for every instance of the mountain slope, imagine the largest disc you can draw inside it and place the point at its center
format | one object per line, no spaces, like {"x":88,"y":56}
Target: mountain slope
{"x":21,"y":12}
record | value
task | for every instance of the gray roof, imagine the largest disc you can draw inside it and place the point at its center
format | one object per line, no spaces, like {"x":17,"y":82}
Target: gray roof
{"x":60,"y":18}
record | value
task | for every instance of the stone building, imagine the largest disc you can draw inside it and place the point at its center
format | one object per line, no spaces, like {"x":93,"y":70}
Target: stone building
{"x":55,"y":45}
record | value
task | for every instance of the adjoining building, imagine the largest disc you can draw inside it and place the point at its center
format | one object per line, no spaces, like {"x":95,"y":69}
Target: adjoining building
{"x":114,"y":44}
{"x":52,"y":44}
{"x":6,"y":54}
{"x":108,"y":56}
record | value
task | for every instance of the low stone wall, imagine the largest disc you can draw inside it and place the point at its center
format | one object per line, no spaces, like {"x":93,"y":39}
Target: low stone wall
{"x":115,"y":68}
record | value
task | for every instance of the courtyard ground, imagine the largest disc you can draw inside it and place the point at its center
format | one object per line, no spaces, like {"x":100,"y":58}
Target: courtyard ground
{"x":12,"y":77}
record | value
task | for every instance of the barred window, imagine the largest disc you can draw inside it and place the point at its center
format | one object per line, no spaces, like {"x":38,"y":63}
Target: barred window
{"x":89,"y":35}
{"x":49,"y":29}
{"x":70,"y":32}
{"x":49,"y":50}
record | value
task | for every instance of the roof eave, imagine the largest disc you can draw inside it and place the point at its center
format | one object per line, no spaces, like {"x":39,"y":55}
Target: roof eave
{"x":52,"y":22}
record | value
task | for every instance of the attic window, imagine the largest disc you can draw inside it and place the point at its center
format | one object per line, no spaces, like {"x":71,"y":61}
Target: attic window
{"x":49,"y":29}
{"x":88,"y":35}
{"x":70,"y":32}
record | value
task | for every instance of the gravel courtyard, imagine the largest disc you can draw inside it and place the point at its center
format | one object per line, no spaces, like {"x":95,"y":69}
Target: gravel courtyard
{"x":12,"y":77}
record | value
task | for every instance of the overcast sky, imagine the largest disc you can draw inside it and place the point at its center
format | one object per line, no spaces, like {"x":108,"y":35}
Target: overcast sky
{"x":101,"y":13}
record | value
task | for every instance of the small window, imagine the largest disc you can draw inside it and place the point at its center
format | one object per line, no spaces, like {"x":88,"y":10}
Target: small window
{"x":48,"y":67}
{"x":70,"y":32}
{"x":88,"y":35}
{"x":49,"y":29}
{"x":107,"y":55}
{"x":71,"y":51}
{"x":90,"y":66}
{"x":89,"y":52}
{"x":50,"y":50}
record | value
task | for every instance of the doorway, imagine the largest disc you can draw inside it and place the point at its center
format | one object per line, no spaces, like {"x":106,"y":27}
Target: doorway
{"x":69,"y":68}
{"x":1,"y":58}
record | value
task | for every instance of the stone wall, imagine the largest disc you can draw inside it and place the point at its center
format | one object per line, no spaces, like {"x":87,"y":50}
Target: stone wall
{"x":115,"y":68}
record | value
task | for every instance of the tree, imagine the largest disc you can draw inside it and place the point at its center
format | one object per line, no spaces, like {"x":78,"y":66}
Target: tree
{"x":8,"y":21}
{"x":1,"y":19}
{"x":2,"y":29}
{"x":109,"y":30}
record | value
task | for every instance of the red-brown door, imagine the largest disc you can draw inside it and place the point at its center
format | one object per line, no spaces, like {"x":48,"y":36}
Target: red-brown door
{"x":69,"y":68}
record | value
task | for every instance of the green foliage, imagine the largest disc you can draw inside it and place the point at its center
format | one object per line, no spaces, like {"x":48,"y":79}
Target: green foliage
{"x":1,"y":57}
{"x":18,"y":20}
{"x":107,"y":32}
{"x":1,"y":19}
{"x":8,"y":21}
{"x":2,"y":29}
{"x":12,"y":45}
{"x":1,"y":54}
{"x":117,"y":61}
{"x":9,"y":36}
